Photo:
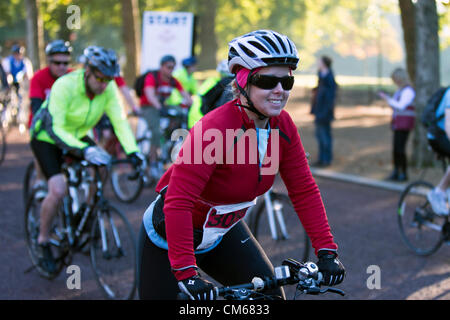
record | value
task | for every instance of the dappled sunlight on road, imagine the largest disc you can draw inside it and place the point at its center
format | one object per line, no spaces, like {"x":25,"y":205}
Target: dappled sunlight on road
{"x":357,"y":153}
{"x":359,"y":122}
{"x":438,"y":290}
{"x":360,"y":110}
{"x":355,"y":116}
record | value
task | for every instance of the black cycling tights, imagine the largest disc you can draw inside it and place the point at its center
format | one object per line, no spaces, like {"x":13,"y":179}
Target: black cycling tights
{"x":237,"y":259}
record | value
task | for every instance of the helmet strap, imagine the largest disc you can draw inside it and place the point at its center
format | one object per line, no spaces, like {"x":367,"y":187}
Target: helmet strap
{"x":251,"y":106}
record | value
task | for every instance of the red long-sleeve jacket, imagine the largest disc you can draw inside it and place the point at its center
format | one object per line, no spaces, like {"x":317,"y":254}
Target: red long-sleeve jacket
{"x":218,"y":164}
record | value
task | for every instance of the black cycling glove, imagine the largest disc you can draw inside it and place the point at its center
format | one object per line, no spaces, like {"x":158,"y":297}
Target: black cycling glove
{"x":137,"y":159}
{"x":331,"y":268}
{"x":198,"y":289}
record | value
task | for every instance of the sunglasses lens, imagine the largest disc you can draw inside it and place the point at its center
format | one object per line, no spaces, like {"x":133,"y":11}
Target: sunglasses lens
{"x":287,"y":82}
{"x":266,"y":82}
{"x":269,"y":82}
{"x":60,"y":63}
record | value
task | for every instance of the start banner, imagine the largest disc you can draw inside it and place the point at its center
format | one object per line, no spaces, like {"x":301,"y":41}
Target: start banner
{"x":166,"y":33}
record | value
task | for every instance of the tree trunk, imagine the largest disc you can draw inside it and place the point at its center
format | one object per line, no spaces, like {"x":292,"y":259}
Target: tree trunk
{"x":427,"y":72}
{"x":61,"y":16}
{"x":131,"y":34}
{"x":206,"y":35}
{"x":407,"y":11}
{"x":35,"y":34}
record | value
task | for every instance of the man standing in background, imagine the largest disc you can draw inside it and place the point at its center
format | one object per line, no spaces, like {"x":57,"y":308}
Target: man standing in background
{"x":323,"y":109}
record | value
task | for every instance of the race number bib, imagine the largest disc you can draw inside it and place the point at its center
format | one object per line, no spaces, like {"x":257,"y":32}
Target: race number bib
{"x":220,"y":220}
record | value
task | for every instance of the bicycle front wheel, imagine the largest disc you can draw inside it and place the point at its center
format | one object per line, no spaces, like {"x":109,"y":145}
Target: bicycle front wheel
{"x":113,"y":253}
{"x":58,"y":241}
{"x":292,"y":241}
{"x":29,"y":181}
{"x":125,"y":188}
{"x":420,"y":227}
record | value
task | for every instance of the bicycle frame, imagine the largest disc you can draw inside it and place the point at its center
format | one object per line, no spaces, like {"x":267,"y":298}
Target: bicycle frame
{"x":73,"y":210}
{"x":77,"y":178}
{"x":274,"y":210}
{"x":277,"y":208}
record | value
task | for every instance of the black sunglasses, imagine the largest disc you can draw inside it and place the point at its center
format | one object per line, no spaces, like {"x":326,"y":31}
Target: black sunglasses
{"x":55,"y":62}
{"x":267,"y":82}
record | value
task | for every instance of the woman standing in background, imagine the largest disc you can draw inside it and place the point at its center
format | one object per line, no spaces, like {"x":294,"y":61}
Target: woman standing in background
{"x":403,"y":118}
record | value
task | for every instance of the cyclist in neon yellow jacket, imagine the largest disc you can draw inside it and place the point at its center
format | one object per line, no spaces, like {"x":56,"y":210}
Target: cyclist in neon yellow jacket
{"x":185,"y":75}
{"x":70,"y":114}
{"x":76,"y":103}
{"x":211,"y":94}
{"x":195,"y":112}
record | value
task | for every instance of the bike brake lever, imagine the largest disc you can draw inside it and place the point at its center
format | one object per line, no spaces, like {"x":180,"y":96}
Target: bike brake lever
{"x":334,"y":290}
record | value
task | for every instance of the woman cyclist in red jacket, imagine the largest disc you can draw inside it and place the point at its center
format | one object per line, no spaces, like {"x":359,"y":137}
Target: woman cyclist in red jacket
{"x":230,"y":157}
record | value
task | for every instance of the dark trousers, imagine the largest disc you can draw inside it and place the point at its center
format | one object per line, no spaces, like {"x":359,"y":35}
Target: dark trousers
{"x":325,"y":141}
{"x":399,"y":151}
{"x":236,"y":260}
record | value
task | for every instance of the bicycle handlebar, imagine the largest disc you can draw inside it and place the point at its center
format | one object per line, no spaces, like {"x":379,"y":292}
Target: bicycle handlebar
{"x":165,"y":112}
{"x":138,"y":172}
{"x":305,"y":275}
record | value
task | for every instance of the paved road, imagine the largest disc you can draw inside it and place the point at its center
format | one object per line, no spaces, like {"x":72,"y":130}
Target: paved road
{"x":362,"y":218}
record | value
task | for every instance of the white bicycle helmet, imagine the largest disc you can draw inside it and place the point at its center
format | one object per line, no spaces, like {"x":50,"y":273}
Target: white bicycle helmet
{"x":262,"y":48}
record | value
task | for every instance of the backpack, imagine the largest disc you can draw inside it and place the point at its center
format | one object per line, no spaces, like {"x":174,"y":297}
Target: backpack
{"x":217,"y":95}
{"x":428,"y":118}
{"x":139,"y":82}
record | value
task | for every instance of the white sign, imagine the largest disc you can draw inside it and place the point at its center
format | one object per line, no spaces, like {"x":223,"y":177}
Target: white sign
{"x":166,"y":33}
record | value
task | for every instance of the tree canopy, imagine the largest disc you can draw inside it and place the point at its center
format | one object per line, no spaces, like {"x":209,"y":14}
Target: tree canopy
{"x":359,"y":29}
